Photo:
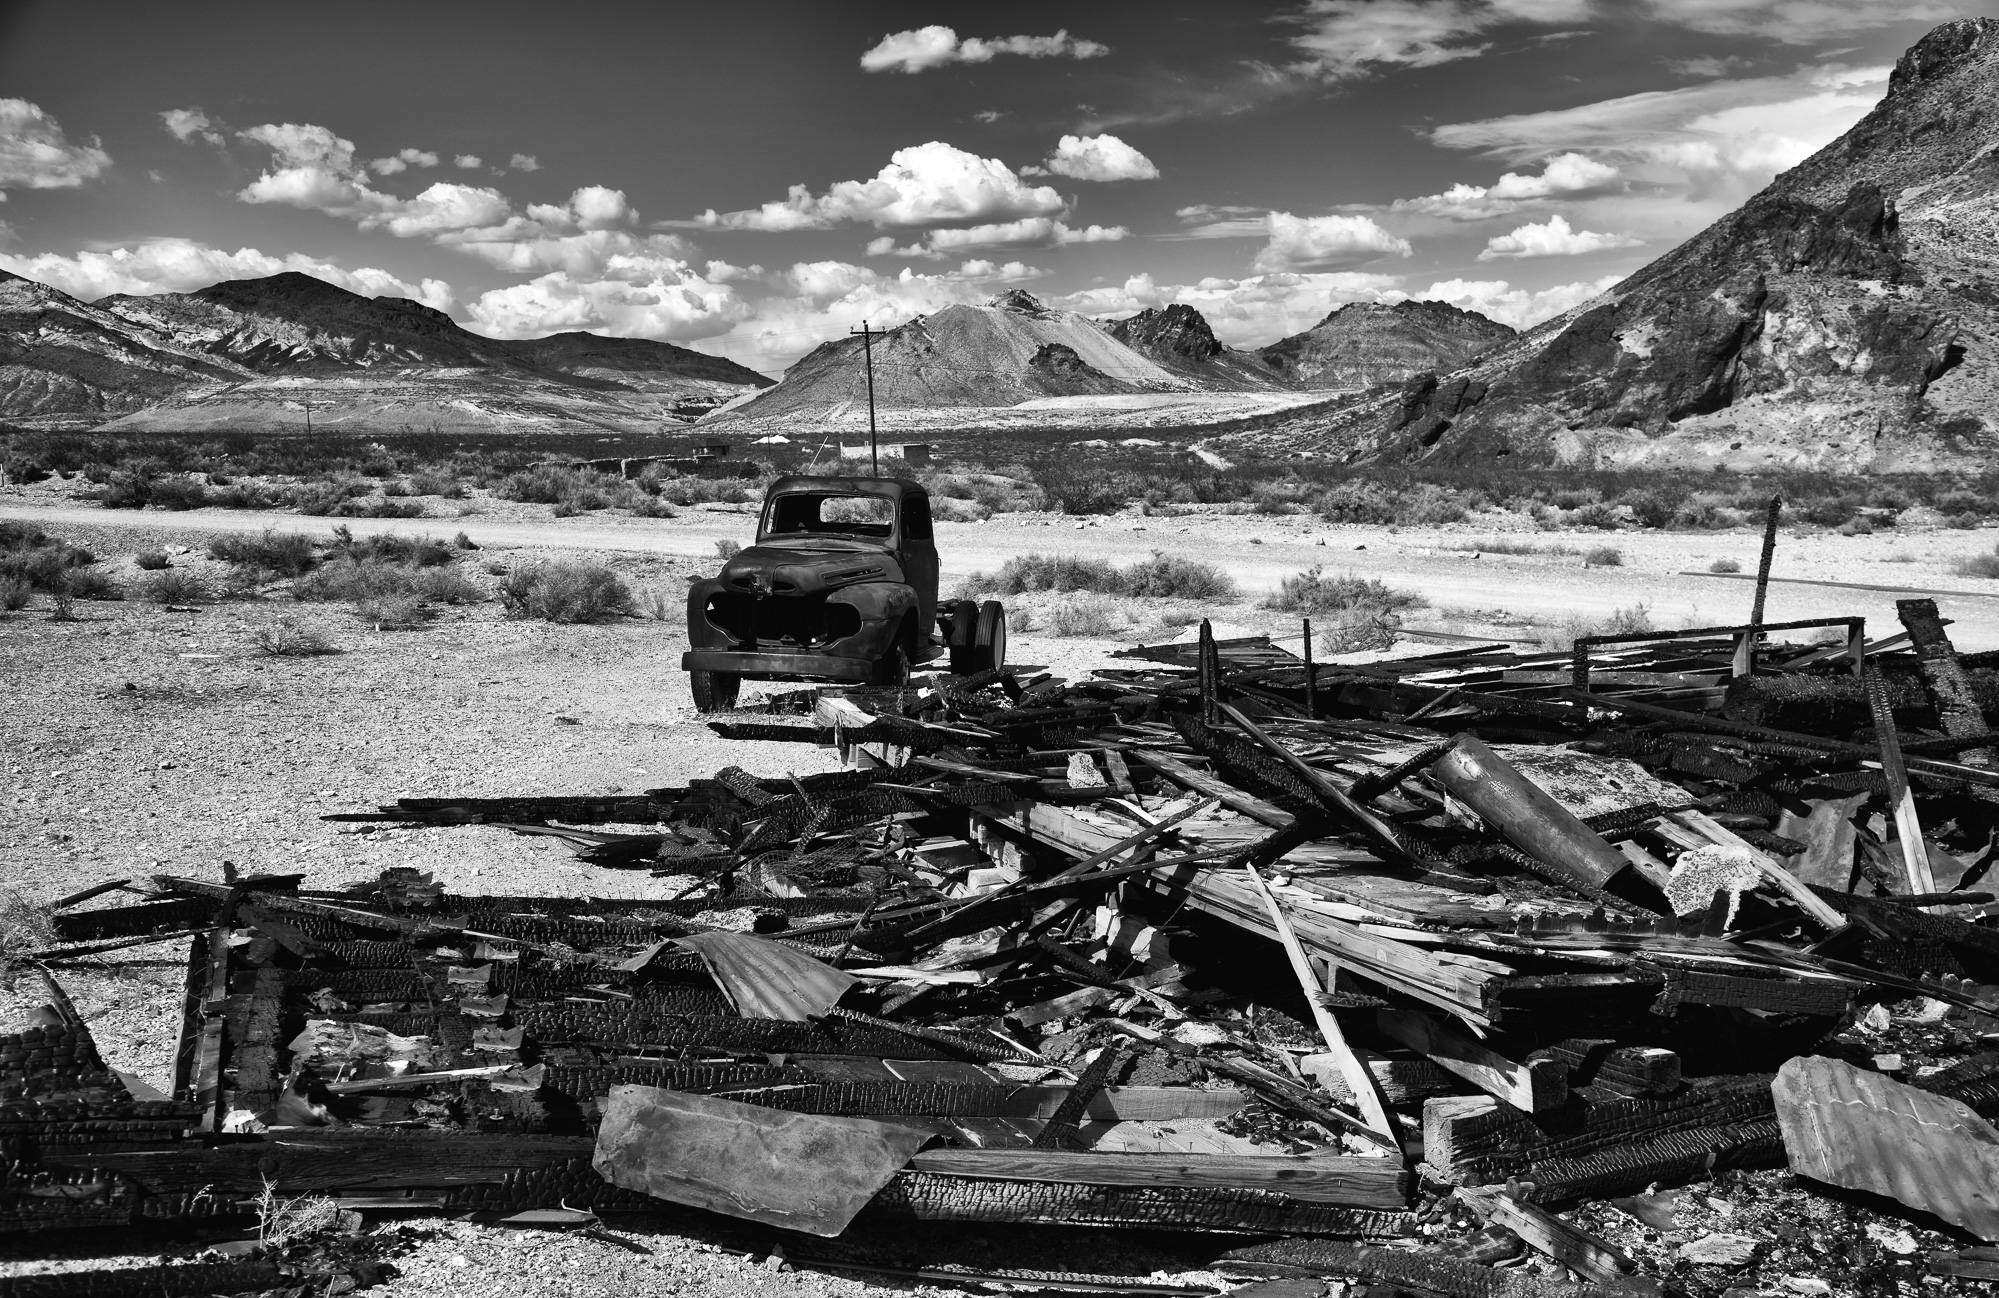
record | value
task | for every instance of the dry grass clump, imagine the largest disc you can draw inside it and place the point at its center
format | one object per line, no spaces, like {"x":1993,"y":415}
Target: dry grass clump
{"x":1603,"y":556}
{"x":397,"y":612}
{"x":25,"y":927}
{"x":1725,"y":565}
{"x":282,"y":1222}
{"x":1621,"y":621}
{"x":726,"y":549}
{"x":30,"y":555}
{"x":1359,"y":629}
{"x":1168,"y":576}
{"x":287,"y":554}
{"x":173,"y":586}
{"x":1316,"y":591}
{"x":152,"y":560}
{"x":968,"y":497}
{"x":288,"y":638}
{"x":15,"y":594}
{"x":1508,"y":545}
{"x":1977,"y":565}
{"x":1086,"y":613}
{"x":565,"y":592}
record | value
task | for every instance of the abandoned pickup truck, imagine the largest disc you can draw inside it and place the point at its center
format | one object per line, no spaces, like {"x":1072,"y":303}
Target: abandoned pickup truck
{"x":840,"y":585}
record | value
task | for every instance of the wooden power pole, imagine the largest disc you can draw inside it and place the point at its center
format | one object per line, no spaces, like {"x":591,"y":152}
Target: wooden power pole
{"x":868,"y":353}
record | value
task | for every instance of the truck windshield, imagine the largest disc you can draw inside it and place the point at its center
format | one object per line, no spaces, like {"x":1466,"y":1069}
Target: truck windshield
{"x":869,"y":516}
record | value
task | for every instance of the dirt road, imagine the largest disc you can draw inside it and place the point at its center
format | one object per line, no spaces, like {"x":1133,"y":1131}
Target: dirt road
{"x":1663,"y":571}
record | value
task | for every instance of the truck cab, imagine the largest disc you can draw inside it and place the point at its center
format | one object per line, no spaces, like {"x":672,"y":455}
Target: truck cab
{"x":841,"y":585}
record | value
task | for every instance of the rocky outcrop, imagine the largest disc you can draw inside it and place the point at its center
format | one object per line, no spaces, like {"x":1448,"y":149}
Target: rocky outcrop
{"x":1180,"y":338}
{"x":1063,"y":373}
{"x":1845,"y":318}
{"x":1366,"y":344}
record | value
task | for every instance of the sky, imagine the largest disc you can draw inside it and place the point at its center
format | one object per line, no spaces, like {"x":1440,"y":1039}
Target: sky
{"x":755,"y":178}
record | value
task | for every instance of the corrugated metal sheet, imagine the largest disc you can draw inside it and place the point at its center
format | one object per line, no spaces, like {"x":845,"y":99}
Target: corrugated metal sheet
{"x":767,"y":980}
{"x":1857,"y":1129}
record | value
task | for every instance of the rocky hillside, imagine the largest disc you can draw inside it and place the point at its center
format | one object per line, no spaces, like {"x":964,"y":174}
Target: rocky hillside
{"x":254,"y":353}
{"x":1179,"y":338}
{"x":64,"y":362}
{"x":1012,"y":349}
{"x":1365,"y":344}
{"x":1845,"y":318}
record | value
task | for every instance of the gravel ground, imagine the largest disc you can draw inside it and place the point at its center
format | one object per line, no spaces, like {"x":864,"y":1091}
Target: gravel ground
{"x":140,"y":739}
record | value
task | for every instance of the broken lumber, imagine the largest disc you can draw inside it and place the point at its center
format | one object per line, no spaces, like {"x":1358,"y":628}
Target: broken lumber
{"x":1532,"y":1086}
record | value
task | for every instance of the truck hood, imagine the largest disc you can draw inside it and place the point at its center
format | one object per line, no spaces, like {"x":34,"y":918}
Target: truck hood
{"x":793,"y":569}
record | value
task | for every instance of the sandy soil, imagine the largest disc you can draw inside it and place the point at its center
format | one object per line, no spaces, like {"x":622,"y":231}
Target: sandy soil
{"x":138,"y":739}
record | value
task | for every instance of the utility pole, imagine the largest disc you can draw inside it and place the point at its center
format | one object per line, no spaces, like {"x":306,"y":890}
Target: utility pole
{"x":868,"y":351}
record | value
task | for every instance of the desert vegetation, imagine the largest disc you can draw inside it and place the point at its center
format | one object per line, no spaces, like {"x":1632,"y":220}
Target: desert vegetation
{"x":33,"y":562}
{"x":1161,"y":576}
{"x":565,"y":592}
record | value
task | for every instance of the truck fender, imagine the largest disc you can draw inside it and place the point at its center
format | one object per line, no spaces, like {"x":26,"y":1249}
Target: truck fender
{"x":701,"y":633}
{"x":883,"y":606}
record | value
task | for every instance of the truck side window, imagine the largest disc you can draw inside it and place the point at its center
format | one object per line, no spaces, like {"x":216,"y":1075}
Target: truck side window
{"x":916,"y":518}
{"x":793,"y":514}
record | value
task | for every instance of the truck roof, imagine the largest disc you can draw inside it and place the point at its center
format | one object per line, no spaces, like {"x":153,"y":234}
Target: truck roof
{"x":800,"y":483}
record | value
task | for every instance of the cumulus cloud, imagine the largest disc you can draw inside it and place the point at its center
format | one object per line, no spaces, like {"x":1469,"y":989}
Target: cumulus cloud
{"x":923,"y":48}
{"x":1317,"y":242}
{"x":524,"y":162}
{"x":468,"y":161}
{"x":670,"y":304}
{"x":1095,"y":157}
{"x":1552,"y":238}
{"x":35,"y":154}
{"x":183,"y":265}
{"x":403,"y":161}
{"x":1563,"y":174}
{"x":925,"y":184}
{"x":190,"y":123}
{"x":1499,"y":300}
{"x":1795,"y":22}
{"x":1344,"y":39}
{"x":1036,"y":231}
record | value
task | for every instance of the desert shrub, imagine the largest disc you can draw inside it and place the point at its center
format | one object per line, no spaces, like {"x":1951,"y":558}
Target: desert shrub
{"x":1057,"y":572}
{"x":246,"y":495}
{"x":644,"y":506}
{"x":1509,"y":545}
{"x":15,"y":592}
{"x":1603,"y":556}
{"x":725,"y":549}
{"x":995,"y":493}
{"x":1428,"y":505}
{"x":1977,"y":565}
{"x":151,"y":560}
{"x":88,"y":583}
{"x":349,"y":579}
{"x":1289,"y":497}
{"x":25,"y":927}
{"x":172,"y":586}
{"x":1704,"y":513}
{"x":1575,"y":499}
{"x":327,"y":497}
{"x":1656,"y":507}
{"x":565,"y":592}
{"x":1596,"y":516}
{"x":692,"y":490}
{"x":33,"y":557}
{"x":288,"y":554}
{"x":178,"y":493}
{"x":1168,"y":576}
{"x":1081,"y":487}
{"x":398,"y":612}
{"x":1858,"y":525}
{"x":555,"y":484}
{"x":1358,"y":629}
{"x":148,"y":482}
{"x":1357,"y":502}
{"x":288,"y":638}
{"x":1179,"y":617}
{"x":1828,"y":511}
{"x":1315,"y":591}
{"x":282,"y":1222}
{"x":1628,"y":621}
{"x":463,"y":542}
{"x":388,"y":547}
{"x":1725,"y":565}
{"x":1086,"y":613}
{"x":445,"y":586}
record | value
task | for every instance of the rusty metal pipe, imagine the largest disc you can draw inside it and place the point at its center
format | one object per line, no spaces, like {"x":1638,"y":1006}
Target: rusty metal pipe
{"x":1524,"y":813}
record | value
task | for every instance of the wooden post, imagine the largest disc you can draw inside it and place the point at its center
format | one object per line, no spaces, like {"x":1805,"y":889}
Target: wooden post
{"x":1856,"y":645}
{"x":1208,"y":670}
{"x":1769,"y":553}
{"x":1915,"y":857}
{"x":1311,"y":675}
{"x":1950,"y":687}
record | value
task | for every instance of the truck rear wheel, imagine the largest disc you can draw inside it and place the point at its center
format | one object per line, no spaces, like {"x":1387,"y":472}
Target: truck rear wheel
{"x":964,"y":637}
{"x":989,"y":640}
{"x":714,"y":691}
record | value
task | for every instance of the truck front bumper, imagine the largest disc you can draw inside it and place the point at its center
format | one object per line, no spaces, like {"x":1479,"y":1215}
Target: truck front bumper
{"x":812,"y":666}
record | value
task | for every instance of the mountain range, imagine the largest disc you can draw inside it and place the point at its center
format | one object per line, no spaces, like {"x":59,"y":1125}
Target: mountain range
{"x":1845,"y":318}
{"x":261,"y":353}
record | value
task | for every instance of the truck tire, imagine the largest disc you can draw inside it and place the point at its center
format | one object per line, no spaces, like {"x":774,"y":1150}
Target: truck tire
{"x":892,"y":668}
{"x":714,"y":691}
{"x":989,"y":640}
{"x":964,"y":637}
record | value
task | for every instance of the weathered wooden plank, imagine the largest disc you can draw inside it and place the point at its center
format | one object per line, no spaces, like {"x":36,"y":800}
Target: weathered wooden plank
{"x":1586,"y":1254}
{"x":1530,"y":1086}
{"x":1201,"y":782}
{"x":1354,"y":1182}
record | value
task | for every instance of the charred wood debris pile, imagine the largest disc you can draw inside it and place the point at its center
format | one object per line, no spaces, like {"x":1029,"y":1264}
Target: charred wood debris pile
{"x":1658,"y":966}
